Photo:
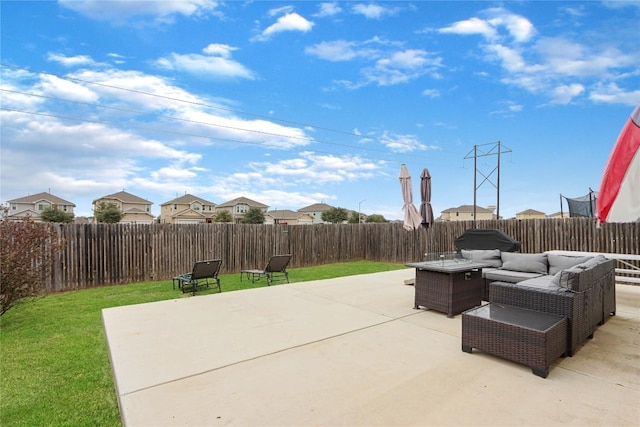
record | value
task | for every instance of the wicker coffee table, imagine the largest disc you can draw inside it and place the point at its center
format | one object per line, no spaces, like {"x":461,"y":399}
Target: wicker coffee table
{"x":532,"y":338}
{"x":448,"y":286}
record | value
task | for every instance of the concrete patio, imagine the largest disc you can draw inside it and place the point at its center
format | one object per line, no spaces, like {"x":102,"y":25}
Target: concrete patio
{"x":353,"y":352}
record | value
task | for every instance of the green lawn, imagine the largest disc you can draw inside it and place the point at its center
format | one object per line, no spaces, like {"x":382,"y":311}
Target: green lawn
{"x":54,"y":366}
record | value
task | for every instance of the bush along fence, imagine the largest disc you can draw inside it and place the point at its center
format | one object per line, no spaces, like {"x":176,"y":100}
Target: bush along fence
{"x":109,"y":254}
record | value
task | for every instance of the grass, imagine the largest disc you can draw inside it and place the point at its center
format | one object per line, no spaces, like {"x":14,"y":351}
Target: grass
{"x":54,"y":366}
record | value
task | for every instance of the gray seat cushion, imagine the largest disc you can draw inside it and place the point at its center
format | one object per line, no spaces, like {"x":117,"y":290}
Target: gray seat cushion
{"x":544,"y":282}
{"x":528,"y":263}
{"x":508,"y":275}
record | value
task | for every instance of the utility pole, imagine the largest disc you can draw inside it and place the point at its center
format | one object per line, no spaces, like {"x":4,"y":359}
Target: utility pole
{"x":485,"y":150}
{"x":360,"y":215}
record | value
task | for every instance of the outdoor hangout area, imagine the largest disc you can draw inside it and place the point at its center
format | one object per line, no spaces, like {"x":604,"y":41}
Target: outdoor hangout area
{"x":354,"y":351}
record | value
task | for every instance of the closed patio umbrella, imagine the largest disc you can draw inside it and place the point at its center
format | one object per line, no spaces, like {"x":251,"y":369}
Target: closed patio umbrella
{"x":412,"y":218}
{"x":426,"y":211}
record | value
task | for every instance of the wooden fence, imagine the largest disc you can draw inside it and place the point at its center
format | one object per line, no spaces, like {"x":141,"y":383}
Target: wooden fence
{"x":103,"y":254}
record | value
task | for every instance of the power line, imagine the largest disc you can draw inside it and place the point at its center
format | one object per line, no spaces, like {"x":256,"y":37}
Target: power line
{"x":384,"y":140}
{"x":127,"y":110}
{"x":58,"y":116}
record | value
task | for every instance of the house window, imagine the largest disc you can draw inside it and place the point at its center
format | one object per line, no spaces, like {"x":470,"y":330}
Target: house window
{"x":175,"y":207}
{"x":42,"y":207}
{"x":14,"y":207}
{"x":195,"y":207}
{"x":148,"y":208}
{"x":241,"y":208}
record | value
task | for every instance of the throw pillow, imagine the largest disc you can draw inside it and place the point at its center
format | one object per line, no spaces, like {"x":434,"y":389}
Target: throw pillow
{"x":527,"y":263}
{"x":485,"y":256}
{"x":562,"y":262}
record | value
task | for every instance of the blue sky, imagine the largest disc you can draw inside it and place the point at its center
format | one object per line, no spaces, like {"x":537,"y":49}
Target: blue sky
{"x":294,"y":103}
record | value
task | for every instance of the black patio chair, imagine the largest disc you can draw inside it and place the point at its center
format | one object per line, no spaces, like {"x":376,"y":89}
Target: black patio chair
{"x":201,"y":274}
{"x":276,"y":270}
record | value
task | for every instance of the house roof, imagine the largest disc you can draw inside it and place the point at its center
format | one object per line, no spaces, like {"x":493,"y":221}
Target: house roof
{"x":137,"y":211}
{"x":187,"y":199}
{"x":125,"y":197}
{"x":316,"y":207}
{"x":190,"y":213}
{"x":285,"y":214}
{"x":34,"y":198}
{"x":242,"y":200}
{"x":530,"y":212}
{"x":468,"y":208}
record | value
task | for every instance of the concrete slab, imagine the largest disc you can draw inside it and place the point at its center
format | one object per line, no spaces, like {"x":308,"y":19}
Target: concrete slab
{"x":352,"y":351}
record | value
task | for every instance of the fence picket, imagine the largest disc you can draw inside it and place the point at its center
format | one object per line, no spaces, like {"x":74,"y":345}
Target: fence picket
{"x":102,"y":254}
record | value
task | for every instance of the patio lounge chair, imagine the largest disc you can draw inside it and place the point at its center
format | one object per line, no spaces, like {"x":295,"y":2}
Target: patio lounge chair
{"x":276,"y":270}
{"x":201,"y":274}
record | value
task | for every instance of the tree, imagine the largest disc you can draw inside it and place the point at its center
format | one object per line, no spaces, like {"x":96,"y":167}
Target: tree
{"x":354,"y":218}
{"x":376,"y":218}
{"x":223,"y":216}
{"x":53,"y":214}
{"x":27,"y":253}
{"x":108,"y":212}
{"x":253,"y":216}
{"x":335,"y":215}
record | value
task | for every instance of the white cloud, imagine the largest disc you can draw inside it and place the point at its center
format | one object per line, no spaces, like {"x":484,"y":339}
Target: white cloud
{"x":328,"y":9}
{"x":280,"y":10}
{"x":54,"y":86}
{"x":119,"y":11}
{"x":564,"y":94}
{"x":471,"y":26}
{"x":338,"y":50}
{"x":216,"y":49}
{"x":206,"y":65}
{"x":402,"y":143}
{"x":373,"y":11}
{"x":518,"y":27}
{"x":558,"y":68}
{"x":288,"y":22}
{"x":611,"y":93}
{"x":400,"y":67}
{"x":71,"y":61}
{"x":431,"y":93}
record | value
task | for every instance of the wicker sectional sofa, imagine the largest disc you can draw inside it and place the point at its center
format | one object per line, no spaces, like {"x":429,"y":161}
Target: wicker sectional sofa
{"x":582,"y":289}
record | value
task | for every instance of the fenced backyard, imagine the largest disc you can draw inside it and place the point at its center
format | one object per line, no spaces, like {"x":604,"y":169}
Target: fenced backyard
{"x":109,"y":254}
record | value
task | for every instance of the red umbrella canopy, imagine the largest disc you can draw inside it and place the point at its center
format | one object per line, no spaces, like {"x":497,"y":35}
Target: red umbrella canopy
{"x":412,"y":218}
{"x":619,"y":196}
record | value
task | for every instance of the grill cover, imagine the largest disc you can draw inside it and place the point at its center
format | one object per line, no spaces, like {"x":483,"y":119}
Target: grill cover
{"x":475,"y":238}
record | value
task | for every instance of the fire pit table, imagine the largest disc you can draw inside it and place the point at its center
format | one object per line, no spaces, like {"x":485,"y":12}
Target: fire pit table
{"x":448,"y":284}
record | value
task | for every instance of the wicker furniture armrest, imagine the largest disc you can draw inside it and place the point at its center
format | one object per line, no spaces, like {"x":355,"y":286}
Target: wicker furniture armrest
{"x":575,"y":306}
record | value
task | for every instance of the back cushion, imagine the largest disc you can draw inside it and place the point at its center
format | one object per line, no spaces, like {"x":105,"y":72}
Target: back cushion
{"x":528,"y":263}
{"x":488,"y":256}
{"x":563,"y":262}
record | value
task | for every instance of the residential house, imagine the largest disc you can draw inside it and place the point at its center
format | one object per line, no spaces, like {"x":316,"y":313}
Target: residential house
{"x":239,"y":206}
{"x":465,"y":213}
{"x":530,"y":214}
{"x":136,"y":210}
{"x":32,"y":206}
{"x":288,"y":217}
{"x":187,"y":209}
{"x":559,"y":215}
{"x":315,"y":211}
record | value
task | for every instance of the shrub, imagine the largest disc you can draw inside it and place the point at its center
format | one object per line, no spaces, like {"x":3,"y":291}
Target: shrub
{"x":27,"y":254}
{"x":53,"y":214}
